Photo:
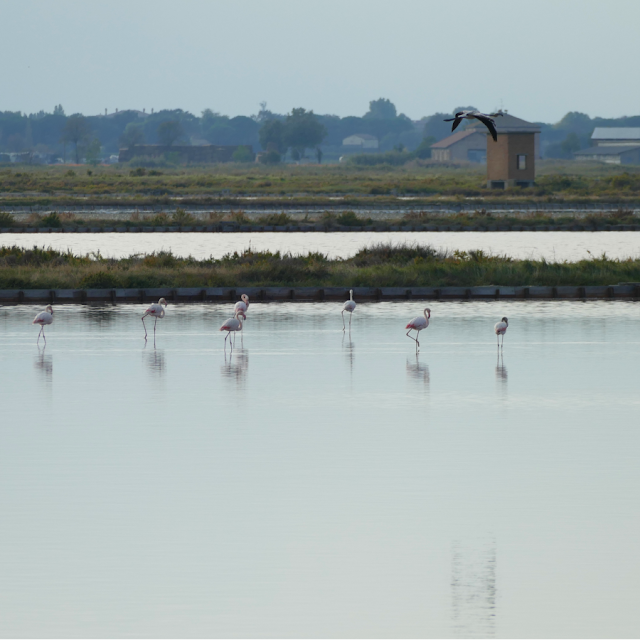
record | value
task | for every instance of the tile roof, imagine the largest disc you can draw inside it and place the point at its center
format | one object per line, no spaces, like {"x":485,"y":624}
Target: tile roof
{"x":616,"y":133}
{"x":456,"y":137}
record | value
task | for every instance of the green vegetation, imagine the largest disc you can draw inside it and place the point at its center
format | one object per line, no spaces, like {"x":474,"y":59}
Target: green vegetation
{"x":375,"y":186}
{"x":376,"y":266}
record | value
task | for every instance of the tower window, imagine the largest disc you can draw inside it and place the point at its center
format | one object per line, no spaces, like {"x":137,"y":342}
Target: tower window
{"x":522,"y":162}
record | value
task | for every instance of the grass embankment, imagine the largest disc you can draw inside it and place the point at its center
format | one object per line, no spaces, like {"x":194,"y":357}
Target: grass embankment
{"x":480,"y":220}
{"x":306,"y":184}
{"x":376,"y":266}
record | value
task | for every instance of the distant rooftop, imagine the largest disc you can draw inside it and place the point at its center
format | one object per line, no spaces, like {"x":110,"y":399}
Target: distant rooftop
{"x":616,"y":133}
{"x":364,"y":136}
{"x":455,"y":137}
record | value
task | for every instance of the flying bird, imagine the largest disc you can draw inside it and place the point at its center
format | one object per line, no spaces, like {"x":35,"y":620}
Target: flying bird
{"x":501,"y":328}
{"x":418,"y":324}
{"x":349,"y":306}
{"x":155,"y":311}
{"x":43,"y":318}
{"x":486,"y":119}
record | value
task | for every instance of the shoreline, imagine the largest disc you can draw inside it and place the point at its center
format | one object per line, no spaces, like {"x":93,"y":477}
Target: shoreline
{"x":619,"y":292}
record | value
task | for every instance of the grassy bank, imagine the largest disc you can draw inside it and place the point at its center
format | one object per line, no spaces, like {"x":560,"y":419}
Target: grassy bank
{"x":376,"y":266}
{"x":480,"y":220}
{"x":310,"y":184}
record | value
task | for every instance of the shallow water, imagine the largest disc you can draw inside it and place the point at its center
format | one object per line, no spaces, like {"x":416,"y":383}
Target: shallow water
{"x":550,"y":245}
{"x":314,"y":484}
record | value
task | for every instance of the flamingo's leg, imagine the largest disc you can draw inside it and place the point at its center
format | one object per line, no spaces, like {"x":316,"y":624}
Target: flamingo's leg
{"x":408,"y":336}
{"x":145,"y":327}
{"x":39,"y":332}
{"x":343,"y":325}
{"x":44,"y":337}
{"x":350,"y":316}
{"x":154,"y":328}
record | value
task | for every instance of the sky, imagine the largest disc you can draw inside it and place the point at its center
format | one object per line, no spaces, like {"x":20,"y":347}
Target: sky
{"x":538,"y":59}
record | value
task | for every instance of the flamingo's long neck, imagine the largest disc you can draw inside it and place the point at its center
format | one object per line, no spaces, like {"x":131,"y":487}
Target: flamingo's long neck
{"x":425,"y":314}
{"x":351,"y":296}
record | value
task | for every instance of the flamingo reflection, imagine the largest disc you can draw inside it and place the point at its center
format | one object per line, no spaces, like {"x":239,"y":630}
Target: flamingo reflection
{"x":44,"y":364}
{"x":154,"y":359}
{"x":418,"y":371}
{"x":236,"y":366}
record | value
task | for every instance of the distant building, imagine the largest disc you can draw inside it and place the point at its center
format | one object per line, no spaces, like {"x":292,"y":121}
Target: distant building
{"x":511,"y":160}
{"x":202,"y":154}
{"x":615,"y":136}
{"x":613,"y":145}
{"x":469,"y":145}
{"x":361,"y":140}
{"x":611,"y":154}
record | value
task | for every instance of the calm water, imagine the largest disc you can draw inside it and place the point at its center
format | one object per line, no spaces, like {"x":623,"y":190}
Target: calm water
{"x":554,"y":245}
{"x":314,"y":484}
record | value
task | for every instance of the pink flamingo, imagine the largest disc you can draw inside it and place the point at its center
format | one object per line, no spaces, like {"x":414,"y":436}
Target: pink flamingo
{"x":418,"y":324}
{"x":43,"y":318}
{"x":501,"y":328}
{"x":349,"y":306}
{"x":242,"y":306}
{"x":155,"y":311}
{"x":231,"y":324}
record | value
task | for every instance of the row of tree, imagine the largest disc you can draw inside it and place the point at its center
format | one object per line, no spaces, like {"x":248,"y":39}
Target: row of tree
{"x":91,"y":137}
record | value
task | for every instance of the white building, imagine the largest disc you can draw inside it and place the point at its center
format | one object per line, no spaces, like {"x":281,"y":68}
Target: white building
{"x":361,"y":141}
{"x":613,"y":145}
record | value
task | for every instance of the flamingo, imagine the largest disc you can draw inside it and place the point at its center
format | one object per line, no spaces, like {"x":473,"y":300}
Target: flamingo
{"x":418,"y":324}
{"x":486,"y":119}
{"x":242,"y":306}
{"x":500,"y":329}
{"x":43,"y":318}
{"x":349,"y":306}
{"x":231,"y":324}
{"x":156,"y":311}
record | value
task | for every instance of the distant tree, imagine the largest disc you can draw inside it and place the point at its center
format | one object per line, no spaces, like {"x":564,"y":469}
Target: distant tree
{"x":436,"y":126}
{"x":15,"y":143}
{"x":271,"y":157}
{"x":242,"y":154}
{"x":76,"y":131}
{"x":58,"y":110}
{"x":92,"y":154}
{"x":381,"y":109}
{"x":132,"y":136}
{"x":272,"y":136}
{"x":424,"y":148}
{"x":169,"y":132}
{"x":302,"y":130}
{"x":319,"y":155}
{"x":221,"y":133}
{"x":570,"y":145}
{"x":575,"y":122}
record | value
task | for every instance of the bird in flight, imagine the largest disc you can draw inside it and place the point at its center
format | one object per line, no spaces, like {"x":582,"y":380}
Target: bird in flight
{"x":486,"y":119}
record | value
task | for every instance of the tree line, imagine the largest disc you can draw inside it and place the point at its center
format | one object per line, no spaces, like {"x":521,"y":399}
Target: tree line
{"x":77,"y":137}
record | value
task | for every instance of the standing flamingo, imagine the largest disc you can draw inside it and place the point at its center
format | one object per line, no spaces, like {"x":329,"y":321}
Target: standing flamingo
{"x":242,"y":306}
{"x":156,"y":311}
{"x":231,"y":324}
{"x":418,"y":324}
{"x":43,"y":318}
{"x":349,"y":306}
{"x":501,"y":328}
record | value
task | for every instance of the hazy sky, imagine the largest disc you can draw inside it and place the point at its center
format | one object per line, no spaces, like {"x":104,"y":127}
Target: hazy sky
{"x":538,"y":59}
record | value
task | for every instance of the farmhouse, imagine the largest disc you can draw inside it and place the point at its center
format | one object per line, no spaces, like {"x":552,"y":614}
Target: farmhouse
{"x":469,"y":145}
{"x":361,"y":141}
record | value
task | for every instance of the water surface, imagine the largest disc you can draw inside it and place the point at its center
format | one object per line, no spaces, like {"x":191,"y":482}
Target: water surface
{"x":319,"y":484}
{"x":550,"y":245}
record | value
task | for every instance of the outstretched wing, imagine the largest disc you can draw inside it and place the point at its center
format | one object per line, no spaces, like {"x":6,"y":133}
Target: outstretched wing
{"x":490,"y":124}
{"x":456,"y":122}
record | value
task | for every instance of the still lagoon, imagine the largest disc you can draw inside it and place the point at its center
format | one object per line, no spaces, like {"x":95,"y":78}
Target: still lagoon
{"x":314,"y":483}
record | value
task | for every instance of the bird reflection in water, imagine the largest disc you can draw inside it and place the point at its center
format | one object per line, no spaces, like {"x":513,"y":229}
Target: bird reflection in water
{"x":236,"y":366}
{"x":418,"y":371}
{"x":349,"y":349}
{"x":473,"y":588}
{"x":501,"y":371}
{"x":44,"y":364}
{"x":154,"y":359}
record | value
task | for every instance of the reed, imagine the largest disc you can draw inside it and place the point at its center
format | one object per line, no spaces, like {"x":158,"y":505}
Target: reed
{"x":381,"y":265}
